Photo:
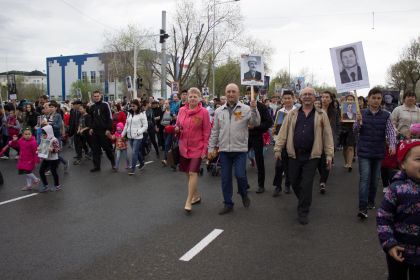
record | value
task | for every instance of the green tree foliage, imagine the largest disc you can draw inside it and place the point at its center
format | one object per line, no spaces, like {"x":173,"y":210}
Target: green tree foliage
{"x":226,"y":74}
{"x":86,"y":89}
{"x":405,"y":74}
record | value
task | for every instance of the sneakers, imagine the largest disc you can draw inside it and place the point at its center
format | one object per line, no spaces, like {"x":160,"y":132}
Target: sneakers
{"x":47,"y":173}
{"x":287,"y":190}
{"x":260,"y":190}
{"x":43,"y":188}
{"x":35,"y":182}
{"x":95,"y":170}
{"x":362,"y":214}
{"x":77,"y":162}
{"x":4,"y":157}
{"x":303,"y":220}
{"x":131,"y":172}
{"x":322,"y":188}
{"x":141,"y":166}
{"x":385,"y":189}
{"x":164,"y":162}
{"x":371,"y":206}
{"x":56,"y":188}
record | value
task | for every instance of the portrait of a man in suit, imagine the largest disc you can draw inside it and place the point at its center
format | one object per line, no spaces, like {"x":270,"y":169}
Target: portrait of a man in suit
{"x":351,"y":70}
{"x":252,"y":74}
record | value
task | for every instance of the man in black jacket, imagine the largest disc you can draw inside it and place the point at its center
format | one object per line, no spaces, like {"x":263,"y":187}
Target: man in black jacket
{"x":101,"y":127}
{"x":255,"y":140}
{"x":73,"y":126}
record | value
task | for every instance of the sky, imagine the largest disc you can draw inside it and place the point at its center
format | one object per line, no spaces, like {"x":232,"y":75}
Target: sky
{"x":302,"y":30}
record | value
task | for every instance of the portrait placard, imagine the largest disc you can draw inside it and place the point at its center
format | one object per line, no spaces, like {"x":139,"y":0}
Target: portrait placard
{"x":252,"y":70}
{"x":44,"y":148}
{"x":348,"y":111}
{"x":349,"y":67}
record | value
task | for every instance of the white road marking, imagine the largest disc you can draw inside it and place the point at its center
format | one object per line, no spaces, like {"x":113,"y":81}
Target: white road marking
{"x":201,"y":245}
{"x":147,"y":162}
{"x":18,"y":198}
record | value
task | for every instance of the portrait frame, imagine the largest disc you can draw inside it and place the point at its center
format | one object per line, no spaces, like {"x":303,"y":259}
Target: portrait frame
{"x":174,"y":87}
{"x":246,"y":79}
{"x":348,"y":118}
{"x":43,"y":149}
{"x":341,"y":74}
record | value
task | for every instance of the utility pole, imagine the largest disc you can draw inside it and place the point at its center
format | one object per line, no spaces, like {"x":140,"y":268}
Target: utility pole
{"x":135,"y":71}
{"x":163,"y":59}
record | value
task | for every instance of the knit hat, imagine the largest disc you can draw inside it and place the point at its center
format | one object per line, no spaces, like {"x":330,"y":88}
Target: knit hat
{"x":119,"y":130}
{"x":415,"y":129}
{"x":405,"y":147}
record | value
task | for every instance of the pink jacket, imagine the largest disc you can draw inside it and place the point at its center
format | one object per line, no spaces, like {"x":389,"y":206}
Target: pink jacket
{"x":195,"y":130}
{"x":28,"y":154}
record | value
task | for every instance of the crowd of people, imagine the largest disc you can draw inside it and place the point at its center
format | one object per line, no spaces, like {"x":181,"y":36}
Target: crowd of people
{"x":230,"y":131}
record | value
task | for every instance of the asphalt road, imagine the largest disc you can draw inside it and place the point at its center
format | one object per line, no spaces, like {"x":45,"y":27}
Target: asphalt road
{"x":114,"y":226}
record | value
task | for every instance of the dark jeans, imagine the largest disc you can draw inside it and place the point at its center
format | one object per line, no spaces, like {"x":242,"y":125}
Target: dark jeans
{"x":52,"y":166}
{"x":323,"y":169}
{"x":80,"y":144}
{"x":101,"y":141}
{"x":168,"y":144}
{"x":236,"y":160}
{"x":369,"y":170}
{"x":4,"y":142}
{"x":401,"y":271}
{"x":151,"y":132}
{"x":257,"y":144}
{"x":282,"y":166}
{"x":302,"y":173}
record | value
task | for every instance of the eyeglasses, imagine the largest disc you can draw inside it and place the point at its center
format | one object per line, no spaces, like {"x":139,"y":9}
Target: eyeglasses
{"x":307,"y":94}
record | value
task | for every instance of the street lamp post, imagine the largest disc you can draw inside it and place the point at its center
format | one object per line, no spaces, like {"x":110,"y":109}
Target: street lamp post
{"x":214,"y":52}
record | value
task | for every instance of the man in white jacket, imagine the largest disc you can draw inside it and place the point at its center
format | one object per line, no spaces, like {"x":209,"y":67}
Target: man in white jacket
{"x":230,"y":135}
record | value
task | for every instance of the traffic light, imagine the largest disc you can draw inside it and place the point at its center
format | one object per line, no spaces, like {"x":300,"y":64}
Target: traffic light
{"x":139,"y":83}
{"x":163,"y":36}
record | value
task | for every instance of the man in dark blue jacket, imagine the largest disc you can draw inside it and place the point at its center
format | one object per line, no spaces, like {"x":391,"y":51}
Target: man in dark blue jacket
{"x":101,"y":127}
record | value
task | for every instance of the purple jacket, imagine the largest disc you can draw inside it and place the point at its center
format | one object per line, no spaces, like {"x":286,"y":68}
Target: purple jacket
{"x":398,"y":218}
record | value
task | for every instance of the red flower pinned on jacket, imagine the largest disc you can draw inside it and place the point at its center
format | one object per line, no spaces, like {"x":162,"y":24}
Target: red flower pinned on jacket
{"x":197,"y":120}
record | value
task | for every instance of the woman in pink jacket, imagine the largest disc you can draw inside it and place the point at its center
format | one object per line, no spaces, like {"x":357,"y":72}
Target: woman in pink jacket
{"x":193,"y":126}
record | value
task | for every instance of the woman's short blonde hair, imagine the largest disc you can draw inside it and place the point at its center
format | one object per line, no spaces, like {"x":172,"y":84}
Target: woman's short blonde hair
{"x":194,"y":90}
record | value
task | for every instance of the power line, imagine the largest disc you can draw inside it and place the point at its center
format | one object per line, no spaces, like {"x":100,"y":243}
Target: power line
{"x":87,"y":16}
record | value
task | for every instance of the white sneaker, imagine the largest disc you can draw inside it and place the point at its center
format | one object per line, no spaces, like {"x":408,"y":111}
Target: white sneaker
{"x":4,"y":157}
{"x":385,"y":189}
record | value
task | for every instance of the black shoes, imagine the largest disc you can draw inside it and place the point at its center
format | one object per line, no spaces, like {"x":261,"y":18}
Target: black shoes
{"x":225,"y":210}
{"x":287,"y":190}
{"x":260,"y":190}
{"x":303,"y":220}
{"x":246,"y":202}
{"x":276,"y":192}
{"x":95,"y":170}
{"x":350,"y":169}
{"x":371,"y":206}
{"x":362,"y":214}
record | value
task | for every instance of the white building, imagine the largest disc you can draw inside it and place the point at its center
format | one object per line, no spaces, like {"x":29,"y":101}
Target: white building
{"x":28,"y":78}
{"x":63,"y":71}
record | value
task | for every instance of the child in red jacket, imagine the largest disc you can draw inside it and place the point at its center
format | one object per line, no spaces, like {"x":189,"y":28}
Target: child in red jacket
{"x":28,"y":157}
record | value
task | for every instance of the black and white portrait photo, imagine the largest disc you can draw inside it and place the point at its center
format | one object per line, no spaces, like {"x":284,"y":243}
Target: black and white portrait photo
{"x":252,"y":70}
{"x":349,"y":67}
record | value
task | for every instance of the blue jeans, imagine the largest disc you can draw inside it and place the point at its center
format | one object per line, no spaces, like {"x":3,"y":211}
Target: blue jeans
{"x":236,"y":160}
{"x":168,"y":144}
{"x":135,"y":145}
{"x":118,"y":155}
{"x":369,"y":170}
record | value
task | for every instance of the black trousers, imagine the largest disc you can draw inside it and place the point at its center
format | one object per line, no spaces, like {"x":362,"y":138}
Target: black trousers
{"x":101,"y":141}
{"x":52,"y":166}
{"x":152,"y":137}
{"x":257,"y":144}
{"x":282,"y":166}
{"x":81,"y":144}
{"x":401,"y":271}
{"x":161,"y":139}
{"x":324,"y":173}
{"x":302,"y":173}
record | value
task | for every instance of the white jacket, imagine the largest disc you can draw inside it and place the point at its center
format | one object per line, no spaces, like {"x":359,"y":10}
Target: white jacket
{"x":135,"y":126}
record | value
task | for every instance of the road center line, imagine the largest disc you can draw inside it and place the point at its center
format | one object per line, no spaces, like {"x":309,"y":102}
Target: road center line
{"x":147,"y":162}
{"x":18,"y":198}
{"x":201,"y":245}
